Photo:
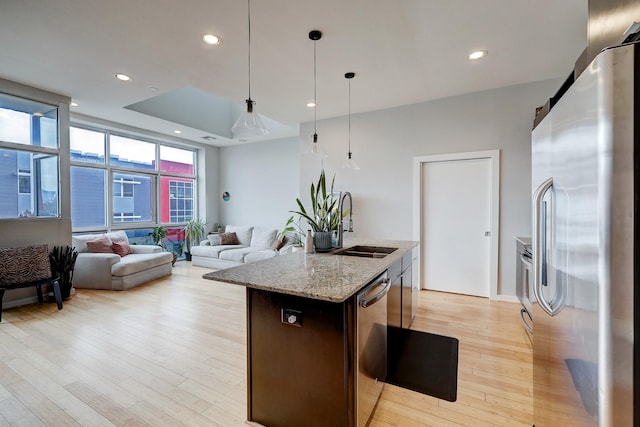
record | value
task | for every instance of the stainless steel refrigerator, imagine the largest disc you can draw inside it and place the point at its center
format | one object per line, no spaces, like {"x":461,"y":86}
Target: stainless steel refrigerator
{"x":585,"y":169}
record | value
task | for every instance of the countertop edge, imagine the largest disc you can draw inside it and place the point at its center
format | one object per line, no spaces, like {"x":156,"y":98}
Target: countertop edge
{"x":277,"y":275}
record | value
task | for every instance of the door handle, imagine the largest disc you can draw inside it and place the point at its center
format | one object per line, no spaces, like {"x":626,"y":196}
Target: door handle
{"x":538,"y":251}
{"x":369,"y":302}
{"x":528,"y":327}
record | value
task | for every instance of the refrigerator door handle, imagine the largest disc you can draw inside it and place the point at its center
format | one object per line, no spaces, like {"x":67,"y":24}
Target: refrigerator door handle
{"x":528,"y":327}
{"x":538,"y":250}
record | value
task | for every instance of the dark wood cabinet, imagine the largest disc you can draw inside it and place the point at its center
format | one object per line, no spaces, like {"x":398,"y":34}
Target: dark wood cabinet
{"x":300,"y":373}
{"x":401,"y":295}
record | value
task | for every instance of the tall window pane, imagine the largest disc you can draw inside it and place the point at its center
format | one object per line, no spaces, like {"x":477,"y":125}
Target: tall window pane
{"x":176,"y":199}
{"x":28,"y":184}
{"x":87,"y":146}
{"x":176,"y":160}
{"x":132,"y":197}
{"x":88,"y":197}
{"x":23,"y":121}
{"x":132,"y":153}
{"x":46,"y":180}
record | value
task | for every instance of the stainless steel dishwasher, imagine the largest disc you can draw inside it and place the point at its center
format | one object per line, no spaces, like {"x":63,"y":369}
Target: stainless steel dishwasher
{"x":371,"y":369}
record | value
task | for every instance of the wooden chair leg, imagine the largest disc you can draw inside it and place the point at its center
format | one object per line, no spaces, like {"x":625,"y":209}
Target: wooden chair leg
{"x":1,"y":297}
{"x":58,"y":295}
{"x":39,"y":291}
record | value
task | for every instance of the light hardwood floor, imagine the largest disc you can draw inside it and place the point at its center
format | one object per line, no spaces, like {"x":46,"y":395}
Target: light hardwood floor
{"x":173,"y":353}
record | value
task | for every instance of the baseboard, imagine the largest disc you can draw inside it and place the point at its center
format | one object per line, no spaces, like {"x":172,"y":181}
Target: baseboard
{"x":20,"y":301}
{"x":506,"y":298}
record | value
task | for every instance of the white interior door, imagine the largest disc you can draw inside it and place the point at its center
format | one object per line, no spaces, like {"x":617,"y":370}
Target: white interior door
{"x":456,"y":226}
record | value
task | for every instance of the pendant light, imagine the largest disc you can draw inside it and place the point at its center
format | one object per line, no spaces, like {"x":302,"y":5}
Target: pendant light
{"x":313,"y":148}
{"x":249,"y":123}
{"x":349,"y":163}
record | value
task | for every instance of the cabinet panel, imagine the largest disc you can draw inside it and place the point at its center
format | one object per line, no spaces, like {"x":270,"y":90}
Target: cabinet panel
{"x":297,"y":373}
{"x":415,"y":282}
{"x":394,"y":297}
{"x":401,"y":294}
{"x":407,"y":299}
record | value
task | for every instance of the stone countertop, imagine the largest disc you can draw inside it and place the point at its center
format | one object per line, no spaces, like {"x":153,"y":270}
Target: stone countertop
{"x":321,"y":276}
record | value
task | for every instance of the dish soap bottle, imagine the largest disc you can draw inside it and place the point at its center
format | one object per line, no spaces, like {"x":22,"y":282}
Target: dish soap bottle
{"x":308,"y":243}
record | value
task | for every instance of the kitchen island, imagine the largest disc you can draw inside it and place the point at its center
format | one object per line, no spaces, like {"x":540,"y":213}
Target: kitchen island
{"x":315,"y":356}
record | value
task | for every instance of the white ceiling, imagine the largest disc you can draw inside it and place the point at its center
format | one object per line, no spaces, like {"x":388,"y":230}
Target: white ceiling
{"x":402,"y":51}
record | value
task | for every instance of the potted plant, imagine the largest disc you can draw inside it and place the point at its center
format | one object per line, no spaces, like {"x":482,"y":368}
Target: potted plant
{"x":158,"y":234}
{"x":291,"y":229}
{"x":323,"y":217}
{"x":194,"y":231}
{"x":63,"y":261}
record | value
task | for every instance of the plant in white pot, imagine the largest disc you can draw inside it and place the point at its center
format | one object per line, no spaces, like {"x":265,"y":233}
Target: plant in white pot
{"x":323,"y":217}
{"x":194,"y":231}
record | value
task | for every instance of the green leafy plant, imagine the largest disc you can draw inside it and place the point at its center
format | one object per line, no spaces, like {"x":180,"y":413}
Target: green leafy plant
{"x":291,"y":227}
{"x":324,"y":213}
{"x":194,"y":231}
{"x":63,"y":261}
{"x":158,"y":234}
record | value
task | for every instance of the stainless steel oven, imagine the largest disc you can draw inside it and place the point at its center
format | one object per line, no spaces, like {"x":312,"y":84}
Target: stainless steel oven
{"x":524,"y":284}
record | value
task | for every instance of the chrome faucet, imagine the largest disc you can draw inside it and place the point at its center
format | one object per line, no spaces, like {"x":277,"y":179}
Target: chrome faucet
{"x":350,"y":223}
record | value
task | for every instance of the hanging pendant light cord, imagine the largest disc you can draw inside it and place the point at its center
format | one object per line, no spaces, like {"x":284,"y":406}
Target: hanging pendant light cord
{"x":249,"y":59}
{"x":315,"y":95}
{"x":349,"y":117}
{"x":315,"y":35}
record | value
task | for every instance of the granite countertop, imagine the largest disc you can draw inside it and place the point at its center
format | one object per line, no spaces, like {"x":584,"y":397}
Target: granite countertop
{"x":321,"y":276}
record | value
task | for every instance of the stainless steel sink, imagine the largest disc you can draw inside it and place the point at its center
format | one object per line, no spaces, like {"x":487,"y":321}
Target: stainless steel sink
{"x":366,"y":251}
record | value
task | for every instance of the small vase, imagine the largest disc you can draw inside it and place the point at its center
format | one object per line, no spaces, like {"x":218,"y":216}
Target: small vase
{"x":322,"y":241}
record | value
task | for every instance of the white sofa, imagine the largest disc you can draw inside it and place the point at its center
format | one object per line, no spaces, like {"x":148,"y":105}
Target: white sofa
{"x":255,"y":243}
{"x":113,"y":272}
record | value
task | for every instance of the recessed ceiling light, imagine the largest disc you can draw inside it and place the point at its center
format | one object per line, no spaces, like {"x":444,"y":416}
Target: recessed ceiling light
{"x":123,"y":77}
{"x":311,"y":104}
{"x":212,"y":39}
{"x":74,"y":104}
{"x":177,"y":131}
{"x":478,"y":54}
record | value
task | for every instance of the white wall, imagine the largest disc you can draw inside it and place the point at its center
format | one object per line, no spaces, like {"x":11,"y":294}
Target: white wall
{"x":385,"y":142}
{"x":263,"y":181}
{"x":208,"y":188}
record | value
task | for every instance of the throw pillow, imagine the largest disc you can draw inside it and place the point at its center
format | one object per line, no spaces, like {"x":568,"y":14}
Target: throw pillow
{"x":22,"y":265}
{"x":121,"y":248}
{"x":263,"y":237}
{"x":229,"y":239}
{"x":101,"y":245}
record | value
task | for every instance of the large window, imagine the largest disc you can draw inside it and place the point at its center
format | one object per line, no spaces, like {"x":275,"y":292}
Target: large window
{"x":29,"y":178}
{"x":150,"y":183}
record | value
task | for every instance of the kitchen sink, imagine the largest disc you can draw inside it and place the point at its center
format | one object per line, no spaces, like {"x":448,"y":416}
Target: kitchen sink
{"x":366,"y":251}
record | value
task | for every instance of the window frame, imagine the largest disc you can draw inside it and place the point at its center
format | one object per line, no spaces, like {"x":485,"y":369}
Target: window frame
{"x":156,"y":175}
{"x":34,"y":151}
